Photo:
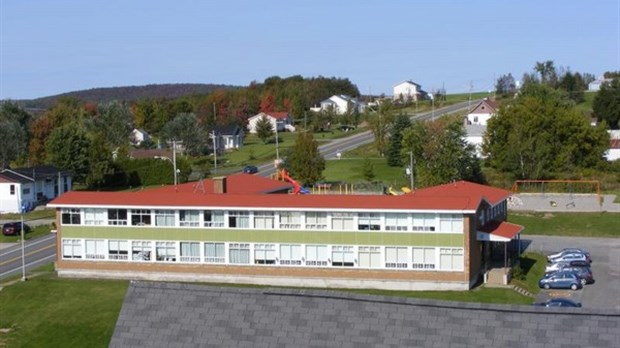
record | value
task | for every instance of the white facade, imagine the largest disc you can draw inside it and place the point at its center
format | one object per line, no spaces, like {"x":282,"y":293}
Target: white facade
{"x":596,"y":84}
{"x":138,"y":136}
{"x":16,"y":189}
{"x":281,"y":122}
{"x":481,"y":113}
{"x":475,"y":134}
{"x":341,"y":104}
{"x":408,"y":91}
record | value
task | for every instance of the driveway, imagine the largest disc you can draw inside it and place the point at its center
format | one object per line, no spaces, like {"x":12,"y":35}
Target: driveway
{"x":605,"y":267}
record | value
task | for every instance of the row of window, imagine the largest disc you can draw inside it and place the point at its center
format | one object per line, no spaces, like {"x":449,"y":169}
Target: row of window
{"x":449,"y":223}
{"x":418,"y":258}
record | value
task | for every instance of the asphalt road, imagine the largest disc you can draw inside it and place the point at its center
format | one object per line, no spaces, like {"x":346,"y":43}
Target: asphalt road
{"x":605,"y":252}
{"x":38,"y":252}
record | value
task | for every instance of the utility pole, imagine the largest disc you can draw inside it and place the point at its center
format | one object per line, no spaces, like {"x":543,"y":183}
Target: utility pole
{"x":214,"y":150}
{"x":411,"y":179}
{"x":277,"y":144}
{"x":174,"y":161}
{"x":471,"y":87}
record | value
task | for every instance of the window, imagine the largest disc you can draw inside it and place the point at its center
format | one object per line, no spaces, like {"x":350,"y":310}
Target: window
{"x":164,"y":218}
{"x":264,"y":254}
{"x":451,"y":223}
{"x":71,"y":216}
{"x":451,"y":258}
{"x":238,"y":219}
{"x":343,"y":256}
{"x":118,"y":249}
{"x":141,"y":250}
{"x":290,"y":254}
{"x":26,"y":191}
{"x":423,"y":258}
{"x":215,"y":253}
{"x":117,"y":216}
{"x":396,"y":222}
{"x":396,"y":257}
{"x":263,"y":219}
{"x":190,"y":252}
{"x":423,"y":222}
{"x":165,"y":251}
{"x":189,"y":218}
{"x":369,"y":257}
{"x":369,"y":222}
{"x":94,"y":216}
{"x":316,"y":220}
{"x":72,"y":248}
{"x":141,"y":217}
{"x":290,"y":220}
{"x":316,"y":255}
{"x":239,"y":253}
{"x":214,"y":218}
{"x":12,"y":190}
{"x":343,"y":221}
{"x":95,"y":249}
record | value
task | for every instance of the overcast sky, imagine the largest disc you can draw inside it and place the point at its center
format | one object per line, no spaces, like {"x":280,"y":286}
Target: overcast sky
{"x":51,"y":47}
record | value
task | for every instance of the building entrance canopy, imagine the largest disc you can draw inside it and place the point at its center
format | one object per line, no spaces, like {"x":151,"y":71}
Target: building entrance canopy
{"x":499,"y":231}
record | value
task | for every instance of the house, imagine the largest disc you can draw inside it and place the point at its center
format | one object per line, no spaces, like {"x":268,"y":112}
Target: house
{"x":32,"y":186}
{"x":279,"y":120}
{"x":247,"y":229}
{"x":408,"y":91}
{"x":474,"y":136}
{"x":613,"y":153}
{"x":482,"y":112}
{"x":340,"y":104}
{"x":228,"y":137}
{"x":596,"y":84}
{"x":138,"y":136}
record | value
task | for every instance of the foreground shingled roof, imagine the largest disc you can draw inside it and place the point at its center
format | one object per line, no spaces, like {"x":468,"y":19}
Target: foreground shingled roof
{"x":189,"y":315}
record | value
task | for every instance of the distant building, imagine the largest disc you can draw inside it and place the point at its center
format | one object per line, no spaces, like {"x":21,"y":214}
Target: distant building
{"x":341,"y":104}
{"x":408,"y":91}
{"x":596,"y":84}
{"x":138,"y":136}
{"x":613,"y":153}
{"x":33,"y":186}
{"x":474,"y":136}
{"x":229,"y":137}
{"x":482,"y":112}
{"x":279,"y":120}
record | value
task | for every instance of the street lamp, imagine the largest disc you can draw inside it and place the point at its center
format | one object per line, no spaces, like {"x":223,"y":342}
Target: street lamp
{"x":214,"y":137}
{"x":173,"y":161}
{"x":24,"y":207}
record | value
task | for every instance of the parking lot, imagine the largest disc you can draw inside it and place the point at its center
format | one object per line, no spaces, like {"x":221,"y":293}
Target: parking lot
{"x":605,"y":252}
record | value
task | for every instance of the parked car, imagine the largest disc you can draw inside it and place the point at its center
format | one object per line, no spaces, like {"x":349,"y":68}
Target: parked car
{"x":570,"y":251}
{"x":570,"y":256}
{"x":560,"y":280}
{"x":14,"y":228}
{"x":559,"y":302}
{"x":554,"y":267}
{"x":584,"y":273}
{"x":250,"y":169}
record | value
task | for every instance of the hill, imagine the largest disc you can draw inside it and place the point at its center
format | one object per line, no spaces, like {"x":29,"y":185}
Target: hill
{"x":128,"y":93}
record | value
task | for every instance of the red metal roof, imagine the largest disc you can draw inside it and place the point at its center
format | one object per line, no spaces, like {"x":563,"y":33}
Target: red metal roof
{"x":248,"y":191}
{"x":502,"y":229}
{"x":280,"y":115}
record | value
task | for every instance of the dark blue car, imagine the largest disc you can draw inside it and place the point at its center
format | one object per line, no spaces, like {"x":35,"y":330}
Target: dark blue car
{"x":561,"y":280}
{"x":559,"y":302}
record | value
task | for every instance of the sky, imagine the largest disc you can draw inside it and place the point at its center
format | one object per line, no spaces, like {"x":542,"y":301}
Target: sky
{"x":52,"y":47}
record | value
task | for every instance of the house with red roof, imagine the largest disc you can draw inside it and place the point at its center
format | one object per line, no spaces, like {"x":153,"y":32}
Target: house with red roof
{"x":249,"y":229}
{"x":282,"y":121}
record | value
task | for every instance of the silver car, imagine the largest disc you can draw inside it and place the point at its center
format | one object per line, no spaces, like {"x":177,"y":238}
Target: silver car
{"x":569,"y":256}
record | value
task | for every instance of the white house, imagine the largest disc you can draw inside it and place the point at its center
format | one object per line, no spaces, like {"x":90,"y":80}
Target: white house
{"x":596,"y":84}
{"x":482,"y":112}
{"x":408,"y":91}
{"x":613,"y":153}
{"x":279,"y":120}
{"x":341,"y":104}
{"x":138,"y":136}
{"x":475,"y":133}
{"x":229,"y":137}
{"x":34,"y":185}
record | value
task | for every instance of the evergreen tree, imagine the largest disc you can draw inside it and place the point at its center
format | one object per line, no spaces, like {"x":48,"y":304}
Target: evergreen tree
{"x":394,"y":158}
{"x":185,"y":128}
{"x":68,"y":148}
{"x":100,"y":162}
{"x":606,"y":104}
{"x":264,"y":129}
{"x":368,"y":169}
{"x":305,"y":162}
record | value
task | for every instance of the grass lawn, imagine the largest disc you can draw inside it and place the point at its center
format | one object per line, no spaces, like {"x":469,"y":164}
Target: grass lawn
{"x":32,"y":215}
{"x":350,"y":170}
{"x":569,"y":224}
{"x":533,"y":266}
{"x":47,"y":311}
{"x":35,"y":232}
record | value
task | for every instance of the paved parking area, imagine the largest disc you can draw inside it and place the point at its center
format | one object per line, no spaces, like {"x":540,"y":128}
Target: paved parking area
{"x":605,"y":292}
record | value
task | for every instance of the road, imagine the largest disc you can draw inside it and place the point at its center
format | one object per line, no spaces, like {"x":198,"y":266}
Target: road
{"x":335,"y":146}
{"x":38,"y":252}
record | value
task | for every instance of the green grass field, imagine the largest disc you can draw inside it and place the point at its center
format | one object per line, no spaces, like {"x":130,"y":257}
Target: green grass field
{"x":32,"y":215}
{"x":46,"y":311}
{"x":568,"y":224}
{"x":533,"y":266}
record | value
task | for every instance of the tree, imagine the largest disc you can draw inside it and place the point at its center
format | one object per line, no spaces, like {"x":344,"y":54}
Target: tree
{"x":100,"y":162}
{"x":380,"y":123}
{"x":394,"y":157}
{"x":606,"y":105}
{"x":114,"y":121}
{"x":185,"y":128}
{"x":322,"y":120}
{"x":506,"y":85}
{"x":574,"y":85}
{"x":368,"y":169}
{"x":304,"y":160}
{"x":68,"y":148}
{"x":548,"y":73}
{"x":13,"y":142}
{"x":264,"y":129}
{"x":442,"y":155}
{"x":538,"y":135}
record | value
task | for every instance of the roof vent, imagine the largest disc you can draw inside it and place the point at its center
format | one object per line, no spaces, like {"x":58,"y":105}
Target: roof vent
{"x":219,"y":184}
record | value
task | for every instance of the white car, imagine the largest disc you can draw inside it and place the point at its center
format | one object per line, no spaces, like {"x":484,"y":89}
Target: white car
{"x":569,"y":257}
{"x":554,"y":267}
{"x":569,"y":251}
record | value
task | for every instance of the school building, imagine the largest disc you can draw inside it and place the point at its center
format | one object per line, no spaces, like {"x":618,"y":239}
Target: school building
{"x":247,"y":229}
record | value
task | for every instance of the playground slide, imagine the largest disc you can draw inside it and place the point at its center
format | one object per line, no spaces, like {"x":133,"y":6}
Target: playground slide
{"x":297,"y":188}
{"x":405,"y":189}
{"x":391,"y":191}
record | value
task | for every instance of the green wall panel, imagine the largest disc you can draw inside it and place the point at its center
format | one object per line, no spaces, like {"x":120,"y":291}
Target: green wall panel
{"x":264,"y":236}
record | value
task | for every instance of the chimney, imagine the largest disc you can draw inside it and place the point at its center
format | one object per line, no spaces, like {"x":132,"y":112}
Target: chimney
{"x":219,"y":184}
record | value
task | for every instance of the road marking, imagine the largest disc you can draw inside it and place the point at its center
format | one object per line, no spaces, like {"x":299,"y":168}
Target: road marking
{"x":17,"y":245}
{"x":53,"y":257}
{"x":27,"y":254}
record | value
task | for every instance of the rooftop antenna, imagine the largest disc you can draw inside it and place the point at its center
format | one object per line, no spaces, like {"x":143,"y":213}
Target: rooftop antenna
{"x":200,"y":185}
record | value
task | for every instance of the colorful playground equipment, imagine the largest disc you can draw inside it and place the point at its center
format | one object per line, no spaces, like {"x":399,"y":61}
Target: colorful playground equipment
{"x":393,"y":192}
{"x":297,"y":188}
